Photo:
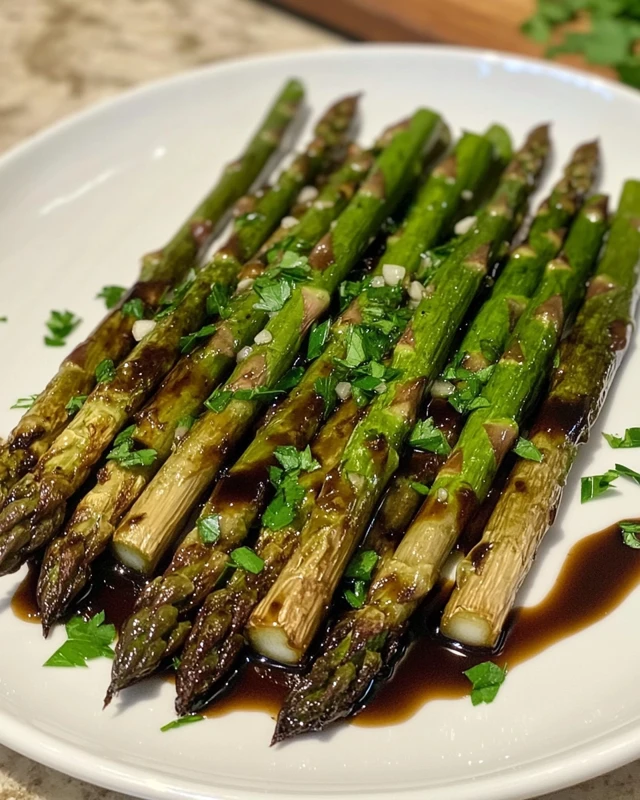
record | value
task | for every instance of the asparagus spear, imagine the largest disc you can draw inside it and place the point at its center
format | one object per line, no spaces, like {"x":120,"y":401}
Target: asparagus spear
{"x":239,"y":496}
{"x":36,"y":506}
{"x":38,"y":428}
{"x":490,"y":576}
{"x":487,"y":335}
{"x":151,"y":525}
{"x":363,"y":641}
{"x":284,"y":623}
{"x":217,"y":636}
{"x":66,"y":567}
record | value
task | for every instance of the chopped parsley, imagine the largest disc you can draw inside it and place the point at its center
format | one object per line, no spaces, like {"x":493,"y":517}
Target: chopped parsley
{"x":595,"y":485}
{"x":75,"y":404}
{"x":282,"y":509}
{"x":111,"y":295}
{"x":426,"y":436}
{"x":134,"y":308}
{"x":61,"y":324}
{"x":630,"y":531}
{"x":631,"y":438}
{"x":85,"y":641}
{"x":420,"y":488}
{"x":209,"y":528}
{"x":172,"y":299}
{"x":105,"y":371}
{"x":218,"y":301}
{"x":325,"y":388}
{"x":467,"y":396}
{"x":527,"y":450}
{"x":613,"y":29}
{"x":274,"y":288}
{"x":188,"y":342}
{"x":357,"y":595}
{"x":245,"y":558}
{"x":25,"y":402}
{"x":317,"y":339}
{"x":181,"y":721}
{"x":627,"y":472}
{"x":359,"y":571}
{"x":486,"y":680}
{"x":124,"y":454}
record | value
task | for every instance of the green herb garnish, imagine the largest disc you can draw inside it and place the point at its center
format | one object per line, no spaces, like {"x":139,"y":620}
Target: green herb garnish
{"x":486,"y":679}
{"x":111,"y":295}
{"x":134,"y":308}
{"x":75,"y":404}
{"x":245,"y":558}
{"x":595,"y":485}
{"x":188,"y":342}
{"x":630,"y":531}
{"x":105,"y":371}
{"x":126,"y":456}
{"x":181,"y":721}
{"x":317,"y":339}
{"x":25,"y":402}
{"x":425,"y":436}
{"x":420,"y":488}
{"x":61,"y":324}
{"x":209,"y":528}
{"x":631,"y":438}
{"x":527,"y":450}
{"x":613,"y":30}
{"x":86,"y":640}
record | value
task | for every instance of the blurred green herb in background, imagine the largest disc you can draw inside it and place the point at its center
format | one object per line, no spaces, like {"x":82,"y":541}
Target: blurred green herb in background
{"x":612,"y":38}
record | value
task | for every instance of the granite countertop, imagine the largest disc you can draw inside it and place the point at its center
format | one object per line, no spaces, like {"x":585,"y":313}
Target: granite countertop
{"x":58,"y":56}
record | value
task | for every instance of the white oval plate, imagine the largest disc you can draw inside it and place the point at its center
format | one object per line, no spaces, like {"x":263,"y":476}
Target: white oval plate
{"x":78,"y":205}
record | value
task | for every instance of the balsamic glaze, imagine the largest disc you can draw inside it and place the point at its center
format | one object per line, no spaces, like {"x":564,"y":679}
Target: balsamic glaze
{"x":599,"y":572}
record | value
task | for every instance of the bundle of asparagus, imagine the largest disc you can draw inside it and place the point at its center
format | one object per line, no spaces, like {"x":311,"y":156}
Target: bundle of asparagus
{"x":330,"y":485}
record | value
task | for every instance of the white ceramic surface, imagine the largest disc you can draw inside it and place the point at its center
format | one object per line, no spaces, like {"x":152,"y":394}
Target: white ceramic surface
{"x":78,"y":205}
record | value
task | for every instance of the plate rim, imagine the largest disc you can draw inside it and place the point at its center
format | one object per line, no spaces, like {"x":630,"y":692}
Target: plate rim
{"x":542,"y":775}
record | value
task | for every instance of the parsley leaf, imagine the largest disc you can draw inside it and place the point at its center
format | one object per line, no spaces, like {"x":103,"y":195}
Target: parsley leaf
{"x":426,"y":436}
{"x":181,"y":721}
{"x":105,"y":371}
{"x":218,"y":301}
{"x":188,"y":342}
{"x":526,"y":449}
{"x":289,"y":380}
{"x":111,"y":295}
{"x":86,"y":640}
{"x":219,"y":400}
{"x":486,"y":679}
{"x":630,"y":531}
{"x":209,"y":528}
{"x":272,"y":295}
{"x":631,"y":438}
{"x":356,"y":596}
{"x":134,"y":308}
{"x":420,"y":488}
{"x":282,"y":509}
{"x":61,"y":324}
{"x":25,"y":402}
{"x":325,"y":388}
{"x":75,"y":404}
{"x":126,"y":456}
{"x":362,"y":565}
{"x":317,"y":339}
{"x":627,"y":472}
{"x":172,"y":299}
{"x":245,"y":558}
{"x":595,"y":485}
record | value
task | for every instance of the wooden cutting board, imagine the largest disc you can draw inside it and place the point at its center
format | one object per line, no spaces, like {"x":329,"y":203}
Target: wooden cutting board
{"x":493,"y":24}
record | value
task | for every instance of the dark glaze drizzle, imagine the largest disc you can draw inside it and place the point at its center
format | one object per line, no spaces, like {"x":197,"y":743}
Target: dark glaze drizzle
{"x":599,"y":572}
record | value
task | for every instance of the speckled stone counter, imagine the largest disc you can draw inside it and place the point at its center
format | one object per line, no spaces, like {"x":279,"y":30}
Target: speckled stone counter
{"x":57,"y":56}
